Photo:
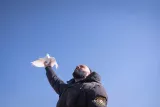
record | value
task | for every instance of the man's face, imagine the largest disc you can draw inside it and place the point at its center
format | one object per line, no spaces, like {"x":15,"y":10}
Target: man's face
{"x":81,"y":71}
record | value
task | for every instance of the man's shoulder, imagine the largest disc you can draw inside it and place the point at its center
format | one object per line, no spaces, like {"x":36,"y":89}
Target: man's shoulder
{"x":91,"y":85}
{"x":95,"y":87}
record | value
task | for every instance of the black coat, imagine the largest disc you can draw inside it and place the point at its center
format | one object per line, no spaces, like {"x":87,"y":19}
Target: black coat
{"x":86,"y":93}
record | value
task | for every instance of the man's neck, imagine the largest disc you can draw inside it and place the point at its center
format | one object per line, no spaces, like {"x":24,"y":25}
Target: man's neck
{"x":77,"y":80}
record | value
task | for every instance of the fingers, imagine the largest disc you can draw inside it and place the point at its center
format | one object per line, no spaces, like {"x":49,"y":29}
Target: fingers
{"x":47,"y":63}
{"x":50,"y":62}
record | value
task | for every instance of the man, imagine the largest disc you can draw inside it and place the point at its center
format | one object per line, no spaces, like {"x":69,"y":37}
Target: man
{"x":84,"y":90}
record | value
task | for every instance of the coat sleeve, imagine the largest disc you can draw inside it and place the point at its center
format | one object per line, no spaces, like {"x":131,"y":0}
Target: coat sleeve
{"x":97,"y":97}
{"x":57,"y":84}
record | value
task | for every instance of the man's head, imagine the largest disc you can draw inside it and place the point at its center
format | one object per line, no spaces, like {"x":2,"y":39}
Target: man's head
{"x":81,"y":72}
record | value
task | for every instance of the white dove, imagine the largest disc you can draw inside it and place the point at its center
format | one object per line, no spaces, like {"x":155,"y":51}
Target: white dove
{"x":40,"y":61}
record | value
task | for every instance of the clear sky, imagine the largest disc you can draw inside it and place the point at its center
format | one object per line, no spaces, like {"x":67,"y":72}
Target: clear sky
{"x":118,"y":39}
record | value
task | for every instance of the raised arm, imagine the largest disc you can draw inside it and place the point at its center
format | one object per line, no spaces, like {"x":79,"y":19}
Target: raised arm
{"x":57,"y":84}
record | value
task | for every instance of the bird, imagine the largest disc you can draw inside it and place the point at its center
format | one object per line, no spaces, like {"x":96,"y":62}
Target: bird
{"x":40,"y":62}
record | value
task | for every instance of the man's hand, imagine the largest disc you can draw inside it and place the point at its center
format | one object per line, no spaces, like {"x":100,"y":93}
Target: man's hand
{"x":47,"y":63}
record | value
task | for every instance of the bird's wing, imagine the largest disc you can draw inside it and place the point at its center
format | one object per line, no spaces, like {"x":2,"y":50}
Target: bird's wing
{"x":39,"y":62}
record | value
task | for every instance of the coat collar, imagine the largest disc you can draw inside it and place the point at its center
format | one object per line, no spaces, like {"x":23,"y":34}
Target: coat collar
{"x":93,"y":77}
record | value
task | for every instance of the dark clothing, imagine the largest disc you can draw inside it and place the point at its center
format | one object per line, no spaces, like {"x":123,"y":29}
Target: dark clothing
{"x":86,"y":93}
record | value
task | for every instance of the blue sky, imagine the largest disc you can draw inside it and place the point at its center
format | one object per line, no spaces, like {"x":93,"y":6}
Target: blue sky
{"x":118,"y":39}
